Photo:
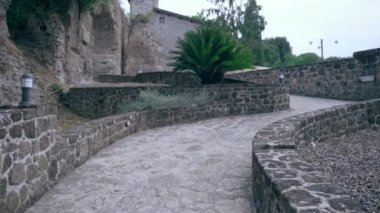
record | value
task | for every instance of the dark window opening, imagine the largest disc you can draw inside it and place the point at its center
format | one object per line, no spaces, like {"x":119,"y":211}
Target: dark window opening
{"x":162,"y":20}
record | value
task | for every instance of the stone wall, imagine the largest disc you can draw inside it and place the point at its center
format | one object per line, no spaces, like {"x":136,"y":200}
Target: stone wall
{"x":28,"y":165}
{"x":283,"y":181}
{"x":34,"y":156}
{"x":339,"y":79}
{"x":169,"y":78}
{"x":106,"y":101}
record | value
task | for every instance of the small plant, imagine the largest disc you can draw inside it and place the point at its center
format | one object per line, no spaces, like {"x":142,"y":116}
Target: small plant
{"x":61,"y":95}
{"x":88,"y":4}
{"x":135,"y":19}
{"x":152,"y":100}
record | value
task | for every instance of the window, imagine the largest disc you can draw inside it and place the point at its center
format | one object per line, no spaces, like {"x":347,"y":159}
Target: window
{"x":162,"y":20}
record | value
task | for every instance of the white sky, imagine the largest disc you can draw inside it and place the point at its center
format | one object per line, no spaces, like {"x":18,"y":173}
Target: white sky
{"x":354,"y":23}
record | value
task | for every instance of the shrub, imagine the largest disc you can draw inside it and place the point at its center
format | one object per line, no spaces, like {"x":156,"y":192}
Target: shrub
{"x":62,"y":96}
{"x":210,"y":52}
{"x":152,"y":100}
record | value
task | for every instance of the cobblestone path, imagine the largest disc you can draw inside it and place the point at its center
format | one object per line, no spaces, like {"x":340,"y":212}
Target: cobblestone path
{"x":199,"y":167}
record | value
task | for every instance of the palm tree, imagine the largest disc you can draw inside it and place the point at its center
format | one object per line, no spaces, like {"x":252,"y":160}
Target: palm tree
{"x":210,"y":52}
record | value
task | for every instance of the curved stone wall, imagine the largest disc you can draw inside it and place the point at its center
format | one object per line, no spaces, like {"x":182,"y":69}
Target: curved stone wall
{"x":97,"y":102}
{"x":283,"y":181}
{"x":337,"y":79}
{"x":34,"y":156}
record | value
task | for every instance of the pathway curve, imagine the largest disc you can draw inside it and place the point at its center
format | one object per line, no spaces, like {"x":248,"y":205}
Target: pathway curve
{"x":199,"y":167}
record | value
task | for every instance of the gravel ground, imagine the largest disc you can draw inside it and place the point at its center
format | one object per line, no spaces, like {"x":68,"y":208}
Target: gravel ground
{"x":353,"y":163}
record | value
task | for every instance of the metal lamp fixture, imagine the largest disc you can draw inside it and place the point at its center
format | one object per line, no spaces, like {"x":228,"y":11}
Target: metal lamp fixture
{"x":281,"y":77}
{"x":27,"y":88}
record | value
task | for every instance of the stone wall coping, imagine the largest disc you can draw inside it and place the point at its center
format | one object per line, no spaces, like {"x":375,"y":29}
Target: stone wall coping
{"x":297,"y":184}
{"x":296,"y":66}
{"x":25,"y":113}
{"x":235,"y":85}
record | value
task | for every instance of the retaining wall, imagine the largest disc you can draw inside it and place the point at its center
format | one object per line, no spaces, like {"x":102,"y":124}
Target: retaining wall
{"x":98,"y":102}
{"x":34,"y":156}
{"x":28,"y":164}
{"x":283,"y":181}
{"x":170,"y":78}
{"x":339,"y":79}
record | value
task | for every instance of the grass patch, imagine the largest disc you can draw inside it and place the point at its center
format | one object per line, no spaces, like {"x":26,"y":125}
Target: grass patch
{"x":152,"y":100}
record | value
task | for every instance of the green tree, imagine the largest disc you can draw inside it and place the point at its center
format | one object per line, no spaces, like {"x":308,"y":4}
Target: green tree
{"x":209,"y":52}
{"x":307,"y":58}
{"x":282,"y":45}
{"x":253,"y":23}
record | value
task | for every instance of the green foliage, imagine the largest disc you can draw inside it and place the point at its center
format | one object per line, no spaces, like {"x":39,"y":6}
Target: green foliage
{"x":307,"y":58}
{"x":209,"y":52}
{"x":88,"y":4}
{"x":152,"y":100}
{"x":242,"y":20}
{"x":21,"y":11}
{"x":62,"y":96}
{"x":134,"y":19}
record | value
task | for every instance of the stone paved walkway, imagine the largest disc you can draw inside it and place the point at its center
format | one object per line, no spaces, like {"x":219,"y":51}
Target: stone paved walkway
{"x":198,"y":167}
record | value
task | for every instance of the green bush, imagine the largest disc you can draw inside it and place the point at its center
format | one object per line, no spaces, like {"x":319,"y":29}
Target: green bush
{"x":210,"y":52}
{"x":152,"y":100}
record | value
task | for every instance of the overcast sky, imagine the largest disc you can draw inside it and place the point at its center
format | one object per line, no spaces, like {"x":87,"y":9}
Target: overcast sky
{"x":354,"y":23}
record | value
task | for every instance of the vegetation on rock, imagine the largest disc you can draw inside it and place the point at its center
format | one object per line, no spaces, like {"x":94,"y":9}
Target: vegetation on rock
{"x":210,"y":52}
{"x":21,"y":11}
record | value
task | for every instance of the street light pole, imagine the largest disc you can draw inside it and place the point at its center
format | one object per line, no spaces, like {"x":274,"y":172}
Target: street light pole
{"x":322,"y":49}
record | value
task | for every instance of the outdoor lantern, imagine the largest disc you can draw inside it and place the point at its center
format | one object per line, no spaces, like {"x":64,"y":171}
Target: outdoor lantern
{"x":26,"y":87}
{"x":281,"y":77}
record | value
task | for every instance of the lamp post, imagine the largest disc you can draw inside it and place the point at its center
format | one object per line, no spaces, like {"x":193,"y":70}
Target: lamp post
{"x":26,"y":89}
{"x":321,"y":47}
{"x":281,"y":78}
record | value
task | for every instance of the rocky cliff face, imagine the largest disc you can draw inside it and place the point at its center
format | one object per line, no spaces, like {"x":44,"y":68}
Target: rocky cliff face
{"x":144,"y":53}
{"x":66,"y":46}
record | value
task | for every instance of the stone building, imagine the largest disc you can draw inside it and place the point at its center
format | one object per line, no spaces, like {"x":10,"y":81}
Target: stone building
{"x":153,"y":34}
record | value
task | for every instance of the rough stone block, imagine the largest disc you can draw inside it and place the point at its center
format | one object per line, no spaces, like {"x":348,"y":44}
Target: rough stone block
{"x":16,"y":116}
{"x":15,"y":131}
{"x":7,"y":163}
{"x":23,"y":194}
{"x":3,"y":133}
{"x":44,"y":142}
{"x":28,"y":114}
{"x":30,"y":129}
{"x":25,"y":148}
{"x":12,"y":201}
{"x":53,"y":170}
{"x":32,"y":172}
{"x":4,"y":120}
{"x":17,"y":174}
{"x":42,"y":125}
{"x":3,"y":188}
{"x":43,"y":163}
{"x":41,"y":111}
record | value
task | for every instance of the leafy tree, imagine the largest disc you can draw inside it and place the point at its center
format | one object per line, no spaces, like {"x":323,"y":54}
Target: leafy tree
{"x":209,"y":52}
{"x":282,"y":45}
{"x":307,"y":58}
{"x":253,"y":23}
